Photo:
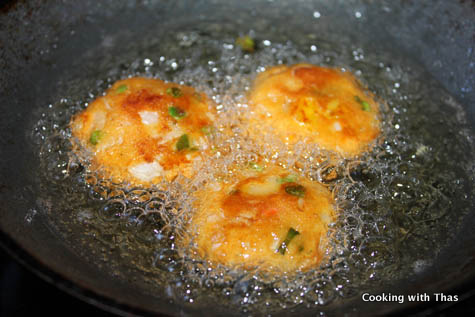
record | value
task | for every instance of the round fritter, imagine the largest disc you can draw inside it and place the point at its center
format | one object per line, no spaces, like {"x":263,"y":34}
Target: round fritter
{"x":324,"y":105}
{"x":273,"y":219}
{"x":144,"y":129}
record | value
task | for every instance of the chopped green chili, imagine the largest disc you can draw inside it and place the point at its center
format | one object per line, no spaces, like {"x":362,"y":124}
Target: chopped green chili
{"x":175,"y":92}
{"x":292,"y":178}
{"x":176,"y":112}
{"x":292,"y":233}
{"x":364,"y":105}
{"x":96,"y":136}
{"x":246,"y":43}
{"x":183,"y":143}
{"x":121,"y":89}
{"x":255,"y":166}
{"x":295,"y":190}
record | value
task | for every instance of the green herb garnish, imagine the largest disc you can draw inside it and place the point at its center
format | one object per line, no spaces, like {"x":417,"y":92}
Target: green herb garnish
{"x":174,"y":92}
{"x":292,"y":178}
{"x":176,"y":112}
{"x":96,"y":136}
{"x":295,"y":190}
{"x":246,"y":43}
{"x":255,"y":166}
{"x":183,"y":143}
{"x":364,"y":105}
{"x":121,"y":89}
{"x":292,"y":233}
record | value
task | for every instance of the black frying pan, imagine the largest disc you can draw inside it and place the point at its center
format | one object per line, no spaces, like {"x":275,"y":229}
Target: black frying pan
{"x":49,"y":48}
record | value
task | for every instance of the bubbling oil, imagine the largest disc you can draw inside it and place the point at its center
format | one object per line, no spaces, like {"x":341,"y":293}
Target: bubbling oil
{"x":398,"y":205}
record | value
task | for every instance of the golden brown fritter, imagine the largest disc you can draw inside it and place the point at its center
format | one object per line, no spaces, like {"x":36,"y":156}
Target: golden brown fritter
{"x":324,"y":105}
{"x":273,"y":219}
{"x":144,"y":129}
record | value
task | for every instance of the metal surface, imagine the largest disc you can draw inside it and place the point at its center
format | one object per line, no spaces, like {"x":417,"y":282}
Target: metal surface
{"x":40,"y":43}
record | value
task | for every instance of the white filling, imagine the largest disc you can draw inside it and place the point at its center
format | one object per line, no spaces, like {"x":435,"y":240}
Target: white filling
{"x":99,"y":120}
{"x":146,"y":171}
{"x":149,"y":117}
{"x":270,"y":186}
{"x":337,"y":126}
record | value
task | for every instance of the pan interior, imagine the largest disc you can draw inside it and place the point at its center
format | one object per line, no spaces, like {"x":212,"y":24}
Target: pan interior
{"x":400,"y":209}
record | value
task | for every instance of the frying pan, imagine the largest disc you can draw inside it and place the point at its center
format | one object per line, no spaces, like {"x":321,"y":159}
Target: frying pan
{"x":49,"y":47}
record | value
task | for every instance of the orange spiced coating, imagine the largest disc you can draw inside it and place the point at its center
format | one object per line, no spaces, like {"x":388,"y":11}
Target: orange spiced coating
{"x":325,"y":106}
{"x":272,"y":219}
{"x":144,"y":129}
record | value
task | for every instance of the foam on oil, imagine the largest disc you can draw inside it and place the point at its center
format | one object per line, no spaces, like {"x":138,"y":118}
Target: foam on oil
{"x":398,"y":205}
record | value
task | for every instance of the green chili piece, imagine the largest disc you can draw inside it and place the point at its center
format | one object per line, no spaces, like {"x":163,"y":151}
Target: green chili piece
{"x":96,"y":136}
{"x":174,"y":92}
{"x":292,"y":178}
{"x":364,"y":105}
{"x":176,"y":112}
{"x":295,"y":190}
{"x":292,"y":233}
{"x":246,"y":43}
{"x":183,"y":143}
{"x":121,"y":89}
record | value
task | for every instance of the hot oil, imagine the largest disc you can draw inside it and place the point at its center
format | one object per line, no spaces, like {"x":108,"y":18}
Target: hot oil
{"x":398,"y":205}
